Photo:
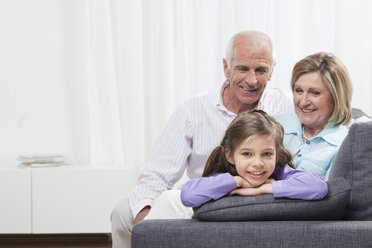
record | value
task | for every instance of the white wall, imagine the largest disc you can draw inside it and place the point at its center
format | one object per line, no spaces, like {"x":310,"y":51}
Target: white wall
{"x":35,"y":115}
{"x":44,"y":98}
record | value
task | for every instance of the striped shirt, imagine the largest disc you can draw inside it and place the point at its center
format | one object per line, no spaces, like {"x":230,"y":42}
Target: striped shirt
{"x":193,"y":131}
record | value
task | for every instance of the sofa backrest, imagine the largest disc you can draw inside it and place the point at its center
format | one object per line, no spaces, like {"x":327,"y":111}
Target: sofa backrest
{"x":354,"y":163}
{"x":357,"y":113}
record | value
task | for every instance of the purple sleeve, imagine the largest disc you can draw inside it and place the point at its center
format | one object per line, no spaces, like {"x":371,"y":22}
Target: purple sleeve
{"x":200,"y":190}
{"x":299,"y":184}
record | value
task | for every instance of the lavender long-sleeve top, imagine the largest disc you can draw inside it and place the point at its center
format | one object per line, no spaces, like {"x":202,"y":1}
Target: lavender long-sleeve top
{"x":290,"y":183}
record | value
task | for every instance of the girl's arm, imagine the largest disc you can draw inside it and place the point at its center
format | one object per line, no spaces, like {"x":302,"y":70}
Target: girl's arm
{"x":200,"y":190}
{"x":266,"y":188}
{"x":300,"y":185}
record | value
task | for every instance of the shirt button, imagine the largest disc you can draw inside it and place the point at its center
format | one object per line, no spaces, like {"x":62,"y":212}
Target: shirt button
{"x":308,"y":142}
{"x":299,"y":155}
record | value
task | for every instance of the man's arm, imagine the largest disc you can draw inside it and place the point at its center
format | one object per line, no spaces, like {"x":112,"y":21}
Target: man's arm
{"x":165,"y":164}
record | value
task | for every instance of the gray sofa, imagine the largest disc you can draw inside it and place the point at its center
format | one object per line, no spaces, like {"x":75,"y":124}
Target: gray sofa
{"x":342,"y":219}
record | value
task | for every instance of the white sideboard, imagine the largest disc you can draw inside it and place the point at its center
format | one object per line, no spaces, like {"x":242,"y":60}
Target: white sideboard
{"x":15,"y":201}
{"x":67,"y":199}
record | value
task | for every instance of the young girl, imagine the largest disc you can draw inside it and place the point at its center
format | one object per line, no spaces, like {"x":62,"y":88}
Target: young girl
{"x":252,"y":160}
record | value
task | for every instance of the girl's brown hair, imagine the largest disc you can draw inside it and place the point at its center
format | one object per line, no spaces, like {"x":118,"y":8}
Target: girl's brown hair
{"x":247,"y":124}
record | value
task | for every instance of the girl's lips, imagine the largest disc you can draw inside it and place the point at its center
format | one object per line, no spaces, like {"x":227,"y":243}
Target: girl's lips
{"x":256,"y":174}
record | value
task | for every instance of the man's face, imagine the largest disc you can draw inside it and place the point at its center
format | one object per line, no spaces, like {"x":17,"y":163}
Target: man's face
{"x":250,"y":70}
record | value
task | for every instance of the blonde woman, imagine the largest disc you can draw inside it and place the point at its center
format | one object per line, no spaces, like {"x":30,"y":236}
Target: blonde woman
{"x":322,"y":94}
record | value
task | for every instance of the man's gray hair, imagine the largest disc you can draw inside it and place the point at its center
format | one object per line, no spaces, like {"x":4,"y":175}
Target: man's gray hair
{"x":254,"y":37}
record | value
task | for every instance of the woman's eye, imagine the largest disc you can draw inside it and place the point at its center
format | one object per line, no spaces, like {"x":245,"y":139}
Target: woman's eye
{"x":247,"y":154}
{"x":316,"y":93}
{"x":297,"y":90}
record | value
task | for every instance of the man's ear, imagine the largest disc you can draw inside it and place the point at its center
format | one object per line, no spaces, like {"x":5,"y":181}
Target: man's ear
{"x":226,"y":69}
{"x":272,"y":69}
{"x":229,"y":156}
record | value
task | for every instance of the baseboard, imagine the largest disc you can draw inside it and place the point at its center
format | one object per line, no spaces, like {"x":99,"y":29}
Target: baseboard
{"x":54,"y":238}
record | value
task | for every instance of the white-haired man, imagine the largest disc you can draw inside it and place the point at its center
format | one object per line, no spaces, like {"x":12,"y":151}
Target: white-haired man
{"x":197,"y":127}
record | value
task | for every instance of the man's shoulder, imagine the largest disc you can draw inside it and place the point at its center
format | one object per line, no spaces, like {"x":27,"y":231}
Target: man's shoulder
{"x":276,"y":92}
{"x":277,"y":101}
{"x":203,"y":97}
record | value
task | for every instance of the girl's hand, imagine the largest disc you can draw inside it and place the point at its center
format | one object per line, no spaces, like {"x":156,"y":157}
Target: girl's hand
{"x":242,"y":183}
{"x":270,"y":180}
{"x":266,"y":188}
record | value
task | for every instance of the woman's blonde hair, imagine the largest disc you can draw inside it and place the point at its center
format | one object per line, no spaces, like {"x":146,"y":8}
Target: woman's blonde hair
{"x":247,"y":124}
{"x":336,"y":79}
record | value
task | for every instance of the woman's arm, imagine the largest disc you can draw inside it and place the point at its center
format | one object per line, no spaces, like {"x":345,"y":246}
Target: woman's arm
{"x":299,"y":185}
{"x":200,"y":190}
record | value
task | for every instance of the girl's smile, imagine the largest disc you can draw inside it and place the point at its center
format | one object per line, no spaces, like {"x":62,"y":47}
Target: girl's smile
{"x":254,"y":158}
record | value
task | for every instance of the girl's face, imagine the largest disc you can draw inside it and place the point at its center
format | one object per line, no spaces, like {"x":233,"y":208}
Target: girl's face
{"x":254,"y":158}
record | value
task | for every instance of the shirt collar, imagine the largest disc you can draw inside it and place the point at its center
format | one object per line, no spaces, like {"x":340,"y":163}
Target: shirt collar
{"x":222,"y":107}
{"x":331,"y":134}
{"x":219,"y":102}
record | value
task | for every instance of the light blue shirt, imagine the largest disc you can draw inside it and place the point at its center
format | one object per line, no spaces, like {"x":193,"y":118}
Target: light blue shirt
{"x":317,"y":153}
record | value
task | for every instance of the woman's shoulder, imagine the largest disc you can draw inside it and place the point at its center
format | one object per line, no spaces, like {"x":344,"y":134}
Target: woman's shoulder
{"x":290,"y":122}
{"x":334,"y":134}
{"x":286,"y":117}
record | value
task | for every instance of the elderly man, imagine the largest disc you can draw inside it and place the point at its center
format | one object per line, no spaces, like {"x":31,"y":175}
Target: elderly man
{"x":196,"y":128}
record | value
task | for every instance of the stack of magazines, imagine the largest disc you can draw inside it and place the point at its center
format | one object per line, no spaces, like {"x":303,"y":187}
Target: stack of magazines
{"x":44,"y":160}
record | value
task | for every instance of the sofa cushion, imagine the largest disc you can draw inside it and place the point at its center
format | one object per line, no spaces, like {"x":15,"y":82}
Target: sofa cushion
{"x":186,"y":233}
{"x":354,"y":163}
{"x":266,"y":207}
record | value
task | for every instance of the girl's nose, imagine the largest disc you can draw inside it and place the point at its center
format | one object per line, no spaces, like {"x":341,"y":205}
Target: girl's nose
{"x":257,"y":163}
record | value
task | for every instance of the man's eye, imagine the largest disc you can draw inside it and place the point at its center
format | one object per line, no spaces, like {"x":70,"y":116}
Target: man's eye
{"x":242,"y":69}
{"x":261,"y":71}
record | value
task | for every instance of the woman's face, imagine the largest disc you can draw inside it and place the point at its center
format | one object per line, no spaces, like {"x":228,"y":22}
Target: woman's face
{"x":313,"y":101}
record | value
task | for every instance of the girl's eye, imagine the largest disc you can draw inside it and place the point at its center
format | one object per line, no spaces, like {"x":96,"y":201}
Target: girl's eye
{"x":267,"y":154}
{"x":247,"y":154}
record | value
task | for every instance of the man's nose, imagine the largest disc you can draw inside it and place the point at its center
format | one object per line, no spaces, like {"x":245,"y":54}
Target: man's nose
{"x":251,"y":78}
